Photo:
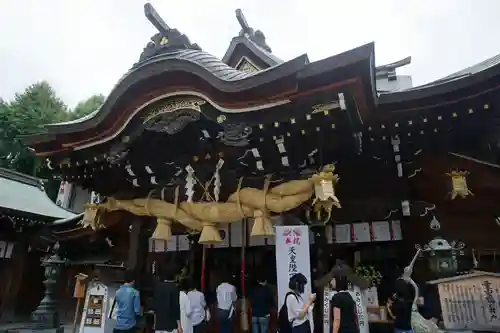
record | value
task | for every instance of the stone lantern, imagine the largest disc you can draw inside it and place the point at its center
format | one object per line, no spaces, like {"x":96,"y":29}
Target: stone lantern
{"x":45,"y":316}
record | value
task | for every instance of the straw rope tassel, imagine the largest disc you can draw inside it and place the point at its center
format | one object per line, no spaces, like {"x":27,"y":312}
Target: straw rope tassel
{"x":262,"y":225}
{"x":209,"y":234}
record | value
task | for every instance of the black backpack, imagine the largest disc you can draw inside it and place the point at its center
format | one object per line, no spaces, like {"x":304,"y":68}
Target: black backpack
{"x":284,"y":325}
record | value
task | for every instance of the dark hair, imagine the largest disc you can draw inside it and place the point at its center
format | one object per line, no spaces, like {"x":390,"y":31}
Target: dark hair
{"x":129,"y":277}
{"x":261,"y":277}
{"x":184,"y":284}
{"x":297,"y":282}
{"x":403,"y":290}
{"x":167,"y":271}
{"x":341,"y":283}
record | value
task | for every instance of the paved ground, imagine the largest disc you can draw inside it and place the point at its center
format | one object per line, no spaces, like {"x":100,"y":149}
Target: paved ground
{"x":18,"y":327}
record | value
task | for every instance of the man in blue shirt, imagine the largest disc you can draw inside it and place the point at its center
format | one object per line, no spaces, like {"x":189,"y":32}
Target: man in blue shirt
{"x":128,"y":306}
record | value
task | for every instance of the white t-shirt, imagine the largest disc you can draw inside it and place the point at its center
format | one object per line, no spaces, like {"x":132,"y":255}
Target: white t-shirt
{"x":187,"y":326}
{"x":295,"y":305}
{"x":226,"y":296}
{"x":198,"y":305}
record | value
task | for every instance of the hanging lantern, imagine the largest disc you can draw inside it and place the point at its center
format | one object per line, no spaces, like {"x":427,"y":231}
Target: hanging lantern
{"x":163,"y":229}
{"x":209,"y":234}
{"x":443,"y":256}
{"x":262,"y":225}
{"x":324,"y":189}
{"x":459,"y":184}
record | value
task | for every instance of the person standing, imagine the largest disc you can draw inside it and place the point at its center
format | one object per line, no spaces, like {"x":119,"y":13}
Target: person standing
{"x":343,"y":307}
{"x":198,"y":307}
{"x":128,"y":306}
{"x":186,"y":310}
{"x":261,"y":303}
{"x":298,"y":308}
{"x":166,"y":303}
{"x":226,"y":297}
{"x":401,"y":307}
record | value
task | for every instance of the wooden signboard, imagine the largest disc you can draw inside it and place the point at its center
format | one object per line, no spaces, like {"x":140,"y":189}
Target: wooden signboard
{"x":470,"y":302}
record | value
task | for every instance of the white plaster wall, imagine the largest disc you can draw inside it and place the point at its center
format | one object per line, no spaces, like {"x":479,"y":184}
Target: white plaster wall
{"x":402,"y":82}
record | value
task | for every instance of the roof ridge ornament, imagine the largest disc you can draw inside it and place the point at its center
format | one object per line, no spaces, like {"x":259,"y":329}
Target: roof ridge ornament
{"x":256,"y":36}
{"x":167,"y":39}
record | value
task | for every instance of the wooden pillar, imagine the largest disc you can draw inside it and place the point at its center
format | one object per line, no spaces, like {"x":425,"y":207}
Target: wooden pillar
{"x":138,"y":246}
{"x":16,"y":268}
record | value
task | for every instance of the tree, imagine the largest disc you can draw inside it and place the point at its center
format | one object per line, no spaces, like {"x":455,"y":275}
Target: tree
{"x":87,"y":107}
{"x":27,"y":114}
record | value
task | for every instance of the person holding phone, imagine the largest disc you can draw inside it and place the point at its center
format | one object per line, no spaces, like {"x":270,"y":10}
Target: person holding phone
{"x":298,"y":308}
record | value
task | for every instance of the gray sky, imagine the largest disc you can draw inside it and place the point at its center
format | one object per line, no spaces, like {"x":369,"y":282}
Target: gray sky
{"x":82,"y":47}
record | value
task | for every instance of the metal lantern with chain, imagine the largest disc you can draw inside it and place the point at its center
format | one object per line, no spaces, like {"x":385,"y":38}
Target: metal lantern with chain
{"x":459,"y":184}
{"x":442,"y":255}
{"x":325,"y":198}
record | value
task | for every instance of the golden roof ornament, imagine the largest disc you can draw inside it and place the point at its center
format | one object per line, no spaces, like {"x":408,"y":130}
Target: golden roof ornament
{"x":91,"y":217}
{"x":459,"y":184}
{"x":324,"y":189}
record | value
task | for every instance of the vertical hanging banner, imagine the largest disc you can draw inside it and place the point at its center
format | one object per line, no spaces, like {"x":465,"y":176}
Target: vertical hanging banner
{"x":292,"y":256}
{"x":361,"y":309}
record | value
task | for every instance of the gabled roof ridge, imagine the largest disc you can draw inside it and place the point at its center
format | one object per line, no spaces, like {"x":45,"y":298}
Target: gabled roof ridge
{"x":22,"y":178}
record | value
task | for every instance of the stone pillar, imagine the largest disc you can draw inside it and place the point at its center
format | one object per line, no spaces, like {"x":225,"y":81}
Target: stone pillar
{"x":45,"y":317}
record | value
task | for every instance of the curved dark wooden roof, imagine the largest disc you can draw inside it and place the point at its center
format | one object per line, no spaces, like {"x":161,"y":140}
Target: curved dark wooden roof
{"x":476,"y":79}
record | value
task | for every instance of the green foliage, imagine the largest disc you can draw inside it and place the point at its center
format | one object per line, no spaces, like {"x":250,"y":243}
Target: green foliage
{"x":369,"y":273}
{"x":86,"y":107}
{"x":27,"y":114}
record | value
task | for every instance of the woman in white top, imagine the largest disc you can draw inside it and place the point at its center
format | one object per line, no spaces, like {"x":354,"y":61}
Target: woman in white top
{"x":186,"y":311}
{"x":198,"y":307}
{"x":297,"y":307}
{"x":226,"y":297}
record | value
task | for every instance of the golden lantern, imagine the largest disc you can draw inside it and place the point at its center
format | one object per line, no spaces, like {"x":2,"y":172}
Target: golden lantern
{"x":324,"y":189}
{"x":459,"y":184}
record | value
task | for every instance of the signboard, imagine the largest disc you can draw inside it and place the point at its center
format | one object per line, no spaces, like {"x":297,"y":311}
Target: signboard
{"x":327,"y":295}
{"x":361,"y":309}
{"x":292,"y":256}
{"x":470,"y":302}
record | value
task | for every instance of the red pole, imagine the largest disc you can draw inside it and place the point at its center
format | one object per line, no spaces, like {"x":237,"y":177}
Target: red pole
{"x":203,"y":266}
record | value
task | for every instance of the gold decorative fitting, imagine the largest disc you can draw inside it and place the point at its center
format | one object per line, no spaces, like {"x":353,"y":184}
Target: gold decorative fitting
{"x":164,"y":41}
{"x":247,"y":67}
{"x":325,"y":108}
{"x":292,"y":120}
{"x":303,"y":132}
{"x":171,"y":106}
{"x":454,"y":114}
{"x":325,"y":198}
{"x":261,"y":126}
{"x":486,"y":106}
{"x":459,"y":184}
{"x":276,"y":124}
{"x":91,"y":217}
{"x":196,"y":158}
{"x":221,"y":119}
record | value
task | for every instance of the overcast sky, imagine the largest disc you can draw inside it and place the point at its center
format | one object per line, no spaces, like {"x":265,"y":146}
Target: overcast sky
{"x":82,"y":47}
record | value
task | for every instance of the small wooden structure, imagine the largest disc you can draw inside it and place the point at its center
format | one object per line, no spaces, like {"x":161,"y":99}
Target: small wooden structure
{"x":24,"y":209}
{"x":470,"y":301}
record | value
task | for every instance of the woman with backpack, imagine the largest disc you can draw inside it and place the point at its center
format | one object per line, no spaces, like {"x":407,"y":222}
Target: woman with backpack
{"x":293,"y":316}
